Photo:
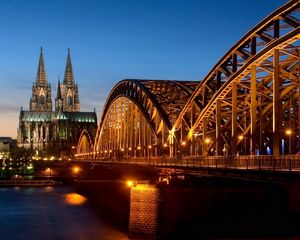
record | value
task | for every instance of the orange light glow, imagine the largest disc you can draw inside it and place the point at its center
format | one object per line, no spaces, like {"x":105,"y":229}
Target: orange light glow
{"x":183,"y":143}
{"x":207,"y":140}
{"x":240,"y":137}
{"x":288,"y":132}
{"x":76,"y":170}
{"x":130,"y":183}
{"x":165,"y":145}
{"x":74,"y":199}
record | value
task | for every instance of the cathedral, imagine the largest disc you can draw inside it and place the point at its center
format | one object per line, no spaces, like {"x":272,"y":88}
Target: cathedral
{"x":54,"y":132}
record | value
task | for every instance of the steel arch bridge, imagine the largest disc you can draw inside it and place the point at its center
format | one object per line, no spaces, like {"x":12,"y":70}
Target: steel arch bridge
{"x":248,"y":104}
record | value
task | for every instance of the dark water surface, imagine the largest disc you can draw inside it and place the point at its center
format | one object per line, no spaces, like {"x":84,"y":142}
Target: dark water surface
{"x":50,"y":213}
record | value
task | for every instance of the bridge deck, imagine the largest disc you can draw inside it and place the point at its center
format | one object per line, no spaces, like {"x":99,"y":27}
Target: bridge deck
{"x":287,"y":163}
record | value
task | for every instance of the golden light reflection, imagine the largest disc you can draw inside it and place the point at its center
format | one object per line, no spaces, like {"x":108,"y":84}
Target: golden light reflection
{"x":48,"y":189}
{"x":74,"y":199}
{"x":144,"y":187}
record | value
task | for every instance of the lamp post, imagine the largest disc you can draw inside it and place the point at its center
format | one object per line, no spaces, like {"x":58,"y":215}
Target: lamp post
{"x":149,"y":153}
{"x":288,"y":132}
{"x":207,"y":142}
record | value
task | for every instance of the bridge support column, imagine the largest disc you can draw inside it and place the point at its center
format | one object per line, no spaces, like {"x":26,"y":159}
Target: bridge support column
{"x":234,"y":119}
{"x":253,"y":110}
{"x":276,"y":104}
{"x":299,"y":116}
{"x":205,"y":139}
{"x":218,"y":128}
{"x":144,"y":211}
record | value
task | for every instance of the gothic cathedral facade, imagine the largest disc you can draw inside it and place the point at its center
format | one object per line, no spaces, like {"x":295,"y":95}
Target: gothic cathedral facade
{"x":54,"y":132}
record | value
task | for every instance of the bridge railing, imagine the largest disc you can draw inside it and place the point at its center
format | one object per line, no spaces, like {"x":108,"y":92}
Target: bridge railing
{"x":249,"y":162}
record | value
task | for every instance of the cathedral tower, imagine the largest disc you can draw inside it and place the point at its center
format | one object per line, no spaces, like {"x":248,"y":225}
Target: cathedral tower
{"x":69,"y":90}
{"x":41,"y":89}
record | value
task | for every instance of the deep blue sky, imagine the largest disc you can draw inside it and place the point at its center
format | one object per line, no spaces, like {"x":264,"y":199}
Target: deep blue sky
{"x":112,"y":40}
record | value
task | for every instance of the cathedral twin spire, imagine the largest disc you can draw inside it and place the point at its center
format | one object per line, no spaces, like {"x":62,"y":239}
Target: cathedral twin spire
{"x":41,"y":90}
{"x":67,"y":98}
{"x":41,"y":77}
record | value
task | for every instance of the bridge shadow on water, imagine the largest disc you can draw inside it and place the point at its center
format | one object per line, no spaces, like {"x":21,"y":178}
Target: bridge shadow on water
{"x":204,"y":207}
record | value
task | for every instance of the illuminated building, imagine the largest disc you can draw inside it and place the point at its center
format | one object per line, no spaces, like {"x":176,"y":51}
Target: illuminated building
{"x":43,"y":129}
{"x":6,"y":144}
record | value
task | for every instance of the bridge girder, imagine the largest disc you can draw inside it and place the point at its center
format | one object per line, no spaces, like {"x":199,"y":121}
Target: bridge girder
{"x":232,"y":86}
{"x":243,"y":106}
{"x":135,"y":104}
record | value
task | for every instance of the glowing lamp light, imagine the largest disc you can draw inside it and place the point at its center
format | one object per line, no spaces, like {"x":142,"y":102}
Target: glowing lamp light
{"x":288,"y":132}
{"x":240,"y":137}
{"x":76,"y":170}
{"x":130,"y":149}
{"x":122,"y":149}
{"x":130,"y":183}
{"x":183,"y":143}
{"x":165,"y":145}
{"x":138,"y":148}
{"x":149,"y":146}
{"x":207,"y":140}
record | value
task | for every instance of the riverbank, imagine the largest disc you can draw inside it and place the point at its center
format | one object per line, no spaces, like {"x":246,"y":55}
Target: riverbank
{"x":29,"y":183}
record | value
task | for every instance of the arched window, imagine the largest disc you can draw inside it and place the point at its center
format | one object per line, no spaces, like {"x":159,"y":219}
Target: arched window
{"x":70,"y":102}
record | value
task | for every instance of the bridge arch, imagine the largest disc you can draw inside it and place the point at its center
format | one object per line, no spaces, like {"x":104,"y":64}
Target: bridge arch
{"x":251,"y":96}
{"x":248,"y":104}
{"x":85,"y":145}
{"x":138,"y":116}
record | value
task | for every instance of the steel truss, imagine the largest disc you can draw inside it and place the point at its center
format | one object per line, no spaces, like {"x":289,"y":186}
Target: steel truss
{"x":249,"y":98}
{"x":247,"y":104}
{"x":138,"y":117}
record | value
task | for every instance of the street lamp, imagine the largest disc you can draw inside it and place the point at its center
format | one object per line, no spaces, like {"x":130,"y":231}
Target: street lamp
{"x":289,"y":133}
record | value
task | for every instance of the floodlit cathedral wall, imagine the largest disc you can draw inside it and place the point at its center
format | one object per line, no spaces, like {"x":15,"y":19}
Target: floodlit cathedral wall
{"x":46,"y":130}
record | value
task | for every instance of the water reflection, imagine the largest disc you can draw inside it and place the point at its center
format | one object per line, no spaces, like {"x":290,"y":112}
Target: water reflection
{"x":74,"y":199}
{"x":48,"y":189}
{"x":50,"y":213}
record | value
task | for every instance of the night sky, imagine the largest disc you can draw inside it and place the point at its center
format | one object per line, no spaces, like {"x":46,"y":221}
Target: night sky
{"x":113,"y":40}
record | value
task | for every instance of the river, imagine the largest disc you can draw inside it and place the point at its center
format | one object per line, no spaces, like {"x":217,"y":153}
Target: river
{"x":51,"y":213}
